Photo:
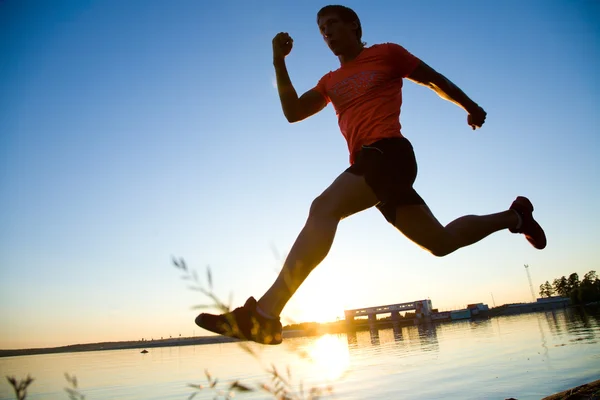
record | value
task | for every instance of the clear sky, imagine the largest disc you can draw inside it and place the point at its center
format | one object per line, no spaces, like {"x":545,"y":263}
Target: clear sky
{"x":131,"y":132}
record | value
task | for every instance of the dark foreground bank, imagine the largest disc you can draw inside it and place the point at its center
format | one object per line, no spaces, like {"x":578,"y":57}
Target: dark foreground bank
{"x":589,"y":391}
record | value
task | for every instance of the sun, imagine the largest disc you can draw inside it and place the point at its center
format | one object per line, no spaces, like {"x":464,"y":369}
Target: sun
{"x":305,"y":308}
{"x":321,"y":299}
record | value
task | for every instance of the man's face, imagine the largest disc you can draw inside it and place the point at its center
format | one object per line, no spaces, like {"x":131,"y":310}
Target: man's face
{"x":338,"y":35}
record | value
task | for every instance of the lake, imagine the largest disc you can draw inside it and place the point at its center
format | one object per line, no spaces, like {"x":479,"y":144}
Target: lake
{"x":525,"y":356}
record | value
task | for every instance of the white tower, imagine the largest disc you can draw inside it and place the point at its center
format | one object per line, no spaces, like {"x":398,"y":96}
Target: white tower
{"x":530,"y":284}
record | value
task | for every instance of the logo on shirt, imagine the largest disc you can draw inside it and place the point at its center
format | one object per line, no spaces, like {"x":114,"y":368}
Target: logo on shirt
{"x":352,"y":87}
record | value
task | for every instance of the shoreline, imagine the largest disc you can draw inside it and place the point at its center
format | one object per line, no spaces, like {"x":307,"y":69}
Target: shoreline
{"x":122,"y":345}
{"x":128,"y":345}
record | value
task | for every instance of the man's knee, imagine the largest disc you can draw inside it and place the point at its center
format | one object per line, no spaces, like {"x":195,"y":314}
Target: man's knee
{"x":440,"y":249}
{"x":324,"y":206}
{"x":442,"y":245}
{"x":439,"y":245}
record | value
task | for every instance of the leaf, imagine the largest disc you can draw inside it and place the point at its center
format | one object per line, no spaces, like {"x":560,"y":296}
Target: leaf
{"x":237,"y":386}
{"x":275,"y":252}
{"x":208,"y":375}
{"x":194,"y":386}
{"x":279,"y":390}
{"x":246,"y":347}
{"x":192,"y":395}
{"x":209,"y":277}
{"x":214,"y":383}
{"x":202,"y":307}
{"x":274,"y":370}
{"x":267,"y":388}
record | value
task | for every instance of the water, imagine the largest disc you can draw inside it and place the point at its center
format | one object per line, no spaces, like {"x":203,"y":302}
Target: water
{"x":525,"y":356}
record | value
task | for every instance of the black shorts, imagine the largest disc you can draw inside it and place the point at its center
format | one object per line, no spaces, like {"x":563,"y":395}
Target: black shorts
{"x":390,"y":169}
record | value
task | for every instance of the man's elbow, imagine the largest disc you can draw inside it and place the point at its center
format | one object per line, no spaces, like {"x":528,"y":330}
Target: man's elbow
{"x":293,"y":117}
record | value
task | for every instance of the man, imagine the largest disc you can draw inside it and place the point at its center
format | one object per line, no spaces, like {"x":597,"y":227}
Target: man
{"x":366,"y":94}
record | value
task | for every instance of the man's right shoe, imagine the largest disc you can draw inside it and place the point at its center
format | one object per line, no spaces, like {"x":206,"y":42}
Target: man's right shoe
{"x":244,"y":323}
{"x":529,"y":227}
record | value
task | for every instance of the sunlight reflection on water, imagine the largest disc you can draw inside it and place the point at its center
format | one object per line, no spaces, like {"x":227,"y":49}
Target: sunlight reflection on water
{"x":330,"y":355}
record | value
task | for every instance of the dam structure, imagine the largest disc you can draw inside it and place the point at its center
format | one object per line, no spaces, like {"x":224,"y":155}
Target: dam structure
{"x":422,"y":308}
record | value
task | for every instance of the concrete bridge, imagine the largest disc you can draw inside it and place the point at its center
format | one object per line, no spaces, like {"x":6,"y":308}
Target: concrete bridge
{"x":422,"y":311}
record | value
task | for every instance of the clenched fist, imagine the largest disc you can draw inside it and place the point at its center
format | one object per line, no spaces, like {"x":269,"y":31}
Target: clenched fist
{"x":476,"y":118}
{"x":282,"y":45}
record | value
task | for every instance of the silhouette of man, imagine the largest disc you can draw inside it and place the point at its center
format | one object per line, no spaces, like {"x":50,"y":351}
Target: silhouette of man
{"x":366,"y":92}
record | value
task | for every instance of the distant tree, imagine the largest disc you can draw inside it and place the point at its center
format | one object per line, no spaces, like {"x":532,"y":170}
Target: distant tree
{"x":546,"y":290}
{"x":588,"y":290}
{"x":561,"y":286}
{"x":589,"y":278}
{"x":584,"y":291}
{"x":573,"y":282}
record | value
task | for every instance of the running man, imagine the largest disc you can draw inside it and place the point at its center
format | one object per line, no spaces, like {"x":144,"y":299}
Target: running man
{"x":366,"y":92}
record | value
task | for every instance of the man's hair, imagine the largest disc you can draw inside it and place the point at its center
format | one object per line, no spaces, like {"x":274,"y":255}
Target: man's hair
{"x":346,"y":15}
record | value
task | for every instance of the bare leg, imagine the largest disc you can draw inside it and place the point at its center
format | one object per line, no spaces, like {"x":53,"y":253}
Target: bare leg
{"x":347,"y":195}
{"x":418,"y":224}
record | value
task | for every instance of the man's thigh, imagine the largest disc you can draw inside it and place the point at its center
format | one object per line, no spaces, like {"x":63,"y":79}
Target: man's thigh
{"x":348,"y":194}
{"x":390,"y":169}
{"x":418,"y":224}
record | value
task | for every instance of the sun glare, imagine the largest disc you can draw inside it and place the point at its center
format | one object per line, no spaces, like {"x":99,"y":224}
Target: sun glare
{"x":330,"y":355}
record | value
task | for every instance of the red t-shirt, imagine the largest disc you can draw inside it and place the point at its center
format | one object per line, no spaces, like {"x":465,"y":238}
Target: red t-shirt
{"x":367,"y":94}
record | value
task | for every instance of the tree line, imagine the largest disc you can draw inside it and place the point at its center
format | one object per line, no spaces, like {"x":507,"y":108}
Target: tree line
{"x":580,"y":292}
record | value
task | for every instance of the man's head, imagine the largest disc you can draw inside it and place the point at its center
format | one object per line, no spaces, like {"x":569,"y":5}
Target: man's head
{"x":340,"y":28}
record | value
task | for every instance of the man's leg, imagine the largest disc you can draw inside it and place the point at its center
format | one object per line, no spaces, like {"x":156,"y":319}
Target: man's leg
{"x":347,"y":195}
{"x":259,"y":321}
{"x":419,"y":224}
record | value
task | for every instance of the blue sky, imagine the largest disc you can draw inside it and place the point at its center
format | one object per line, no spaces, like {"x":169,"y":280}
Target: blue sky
{"x":134,"y":131}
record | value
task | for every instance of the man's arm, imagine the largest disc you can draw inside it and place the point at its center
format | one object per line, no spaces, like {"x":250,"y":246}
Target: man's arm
{"x":295,"y":108}
{"x":427,"y":76}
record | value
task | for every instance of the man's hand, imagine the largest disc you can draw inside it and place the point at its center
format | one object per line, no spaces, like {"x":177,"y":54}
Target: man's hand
{"x":282,"y":45}
{"x":476,"y":118}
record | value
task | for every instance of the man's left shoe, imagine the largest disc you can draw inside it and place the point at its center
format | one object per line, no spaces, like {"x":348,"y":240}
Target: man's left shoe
{"x":243,"y":323}
{"x":529,"y":227}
